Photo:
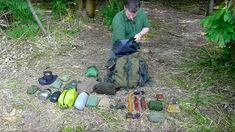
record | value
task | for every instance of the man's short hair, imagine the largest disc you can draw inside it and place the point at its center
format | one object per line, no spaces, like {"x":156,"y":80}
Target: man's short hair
{"x":132,"y":5}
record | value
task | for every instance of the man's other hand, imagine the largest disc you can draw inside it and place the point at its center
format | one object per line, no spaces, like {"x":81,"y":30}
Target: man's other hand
{"x":138,"y":37}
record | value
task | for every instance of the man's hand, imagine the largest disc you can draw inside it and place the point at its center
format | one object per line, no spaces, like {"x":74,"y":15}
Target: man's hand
{"x":138,"y":37}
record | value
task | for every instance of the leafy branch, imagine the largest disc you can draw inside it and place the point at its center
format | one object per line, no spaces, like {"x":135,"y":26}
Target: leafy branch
{"x":220,"y":27}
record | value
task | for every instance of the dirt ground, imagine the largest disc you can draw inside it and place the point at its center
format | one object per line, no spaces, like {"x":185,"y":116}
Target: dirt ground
{"x":23,"y":62}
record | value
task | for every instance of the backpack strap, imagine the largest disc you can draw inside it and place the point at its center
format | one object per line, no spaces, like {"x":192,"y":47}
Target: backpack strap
{"x":126,"y":69}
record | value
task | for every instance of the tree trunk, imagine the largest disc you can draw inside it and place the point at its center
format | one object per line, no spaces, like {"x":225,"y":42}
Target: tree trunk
{"x":36,"y":18}
{"x":90,"y":8}
{"x":210,"y":7}
{"x":80,"y":4}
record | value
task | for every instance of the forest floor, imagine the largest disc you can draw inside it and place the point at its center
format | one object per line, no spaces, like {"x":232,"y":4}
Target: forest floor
{"x":23,"y":62}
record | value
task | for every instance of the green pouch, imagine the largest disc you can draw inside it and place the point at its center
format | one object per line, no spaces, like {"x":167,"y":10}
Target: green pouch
{"x":56,"y":84}
{"x":155,"y":105}
{"x":156,"y":117}
{"x":32,"y":89}
{"x":92,"y":71}
{"x":65,"y":78}
{"x":105,"y":88}
{"x":67,"y":98}
{"x":92,"y":101}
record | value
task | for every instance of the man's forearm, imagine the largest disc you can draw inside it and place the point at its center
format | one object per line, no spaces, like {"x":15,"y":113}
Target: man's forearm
{"x":144,"y":31}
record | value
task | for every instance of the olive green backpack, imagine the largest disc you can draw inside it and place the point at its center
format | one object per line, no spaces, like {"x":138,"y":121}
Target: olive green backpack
{"x":128,"y":71}
{"x":67,"y":98}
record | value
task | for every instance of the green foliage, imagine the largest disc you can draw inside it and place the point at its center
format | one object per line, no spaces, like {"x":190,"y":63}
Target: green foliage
{"x":21,"y":19}
{"x":67,"y":129}
{"x":72,"y":129}
{"x":110,"y":10}
{"x":220,"y":27}
{"x":60,"y":7}
{"x":19,"y":10}
{"x":22,"y":30}
{"x":71,"y":31}
{"x":200,"y":118}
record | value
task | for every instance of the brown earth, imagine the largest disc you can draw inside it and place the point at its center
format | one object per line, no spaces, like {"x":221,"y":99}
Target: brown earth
{"x":22,"y":63}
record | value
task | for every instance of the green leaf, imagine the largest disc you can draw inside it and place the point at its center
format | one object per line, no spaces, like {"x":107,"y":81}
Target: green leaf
{"x":230,"y":29}
{"x":226,"y":17}
{"x":216,"y":36}
{"x":206,"y":22}
{"x":221,"y":40}
{"x":233,"y":36}
{"x":219,"y":14}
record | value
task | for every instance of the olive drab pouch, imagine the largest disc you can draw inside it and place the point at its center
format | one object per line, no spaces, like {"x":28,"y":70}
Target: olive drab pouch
{"x":67,"y":98}
{"x":127,"y":71}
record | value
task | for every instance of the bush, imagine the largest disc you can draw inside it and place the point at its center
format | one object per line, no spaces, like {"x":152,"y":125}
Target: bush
{"x":60,"y":7}
{"x":220,"y":29}
{"x":110,"y":10}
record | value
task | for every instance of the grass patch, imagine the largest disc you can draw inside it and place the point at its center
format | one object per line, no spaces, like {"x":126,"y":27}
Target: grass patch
{"x":71,"y":129}
{"x":71,"y":31}
{"x":111,"y":119}
{"x":11,"y":83}
{"x":66,"y":25}
{"x":22,"y":30}
{"x":153,"y":24}
{"x":210,"y":83}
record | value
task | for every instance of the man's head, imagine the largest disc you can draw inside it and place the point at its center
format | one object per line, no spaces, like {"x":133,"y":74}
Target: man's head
{"x":131,"y":7}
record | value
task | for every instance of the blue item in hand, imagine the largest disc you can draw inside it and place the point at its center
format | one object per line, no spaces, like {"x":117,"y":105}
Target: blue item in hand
{"x":125,"y":47}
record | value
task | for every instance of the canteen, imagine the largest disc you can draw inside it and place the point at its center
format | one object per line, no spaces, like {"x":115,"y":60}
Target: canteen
{"x":81,"y":101}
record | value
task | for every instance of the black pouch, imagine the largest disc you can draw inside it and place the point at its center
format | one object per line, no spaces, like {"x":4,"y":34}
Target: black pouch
{"x":55,"y":96}
{"x":125,"y":47}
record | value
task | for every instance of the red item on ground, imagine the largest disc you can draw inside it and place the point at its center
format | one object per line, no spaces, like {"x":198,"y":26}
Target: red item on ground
{"x":143,"y":103}
{"x":136,"y":103}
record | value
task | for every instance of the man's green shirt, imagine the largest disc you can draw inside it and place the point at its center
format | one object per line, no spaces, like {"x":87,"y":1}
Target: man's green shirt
{"x":123,"y":28}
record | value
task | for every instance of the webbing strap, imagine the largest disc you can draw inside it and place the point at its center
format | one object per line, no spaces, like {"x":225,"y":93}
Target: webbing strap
{"x":126,"y":69}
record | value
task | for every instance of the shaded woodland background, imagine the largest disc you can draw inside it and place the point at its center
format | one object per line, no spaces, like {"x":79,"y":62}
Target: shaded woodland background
{"x":189,"y":51}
